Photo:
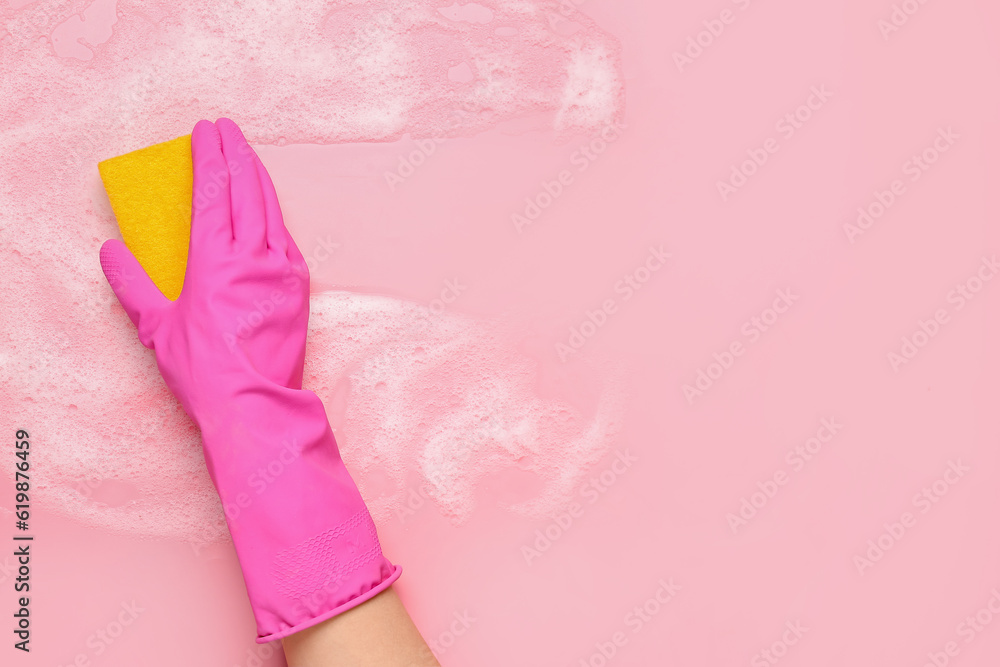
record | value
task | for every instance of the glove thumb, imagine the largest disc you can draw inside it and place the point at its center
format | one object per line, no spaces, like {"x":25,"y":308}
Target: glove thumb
{"x":138,"y":295}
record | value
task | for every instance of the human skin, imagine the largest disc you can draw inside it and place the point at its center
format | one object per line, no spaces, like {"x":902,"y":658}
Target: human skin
{"x":376,"y":633}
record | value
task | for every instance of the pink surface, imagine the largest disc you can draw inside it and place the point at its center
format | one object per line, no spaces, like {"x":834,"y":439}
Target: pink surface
{"x":800,"y":573}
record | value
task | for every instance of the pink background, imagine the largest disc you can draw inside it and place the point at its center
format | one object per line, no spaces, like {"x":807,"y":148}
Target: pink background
{"x":665,"y":518}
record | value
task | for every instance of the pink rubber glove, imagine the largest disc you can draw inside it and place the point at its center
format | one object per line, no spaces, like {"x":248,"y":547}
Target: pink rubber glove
{"x":304,"y":537}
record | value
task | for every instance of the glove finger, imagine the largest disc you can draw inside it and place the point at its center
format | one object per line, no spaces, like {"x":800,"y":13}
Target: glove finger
{"x":277,"y":238}
{"x":211,"y":217}
{"x":246,"y":196}
{"x":295,"y":257}
{"x":138,"y":295}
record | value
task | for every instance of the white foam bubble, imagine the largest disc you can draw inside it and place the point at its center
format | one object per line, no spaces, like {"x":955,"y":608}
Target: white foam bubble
{"x":450,"y":396}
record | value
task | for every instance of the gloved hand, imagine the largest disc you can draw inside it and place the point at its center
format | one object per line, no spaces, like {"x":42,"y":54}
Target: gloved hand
{"x":231,"y":349}
{"x":267,"y":295}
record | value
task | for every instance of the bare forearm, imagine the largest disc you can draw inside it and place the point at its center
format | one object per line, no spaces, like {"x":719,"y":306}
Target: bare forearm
{"x":377,"y":633}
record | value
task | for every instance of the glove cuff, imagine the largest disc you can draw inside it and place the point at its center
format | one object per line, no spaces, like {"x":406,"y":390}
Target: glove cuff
{"x":350,"y":603}
{"x":306,"y":542}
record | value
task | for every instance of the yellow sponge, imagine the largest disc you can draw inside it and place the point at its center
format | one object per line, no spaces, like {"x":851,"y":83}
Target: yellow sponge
{"x":150,"y":192}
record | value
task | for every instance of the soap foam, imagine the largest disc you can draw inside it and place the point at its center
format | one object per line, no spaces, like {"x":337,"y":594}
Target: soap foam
{"x":308,"y":72}
{"x":450,"y":396}
{"x":442,"y":394}
{"x":71,"y":369}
